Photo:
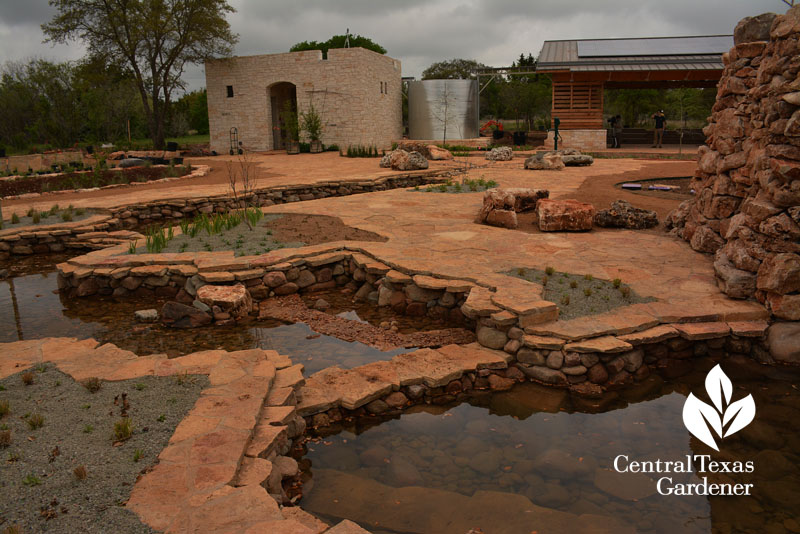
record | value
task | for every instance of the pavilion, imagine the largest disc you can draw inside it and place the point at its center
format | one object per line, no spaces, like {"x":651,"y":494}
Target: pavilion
{"x":581,"y":69}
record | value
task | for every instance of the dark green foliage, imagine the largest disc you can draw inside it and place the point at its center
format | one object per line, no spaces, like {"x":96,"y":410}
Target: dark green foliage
{"x":359,"y":151}
{"x":338,"y":41}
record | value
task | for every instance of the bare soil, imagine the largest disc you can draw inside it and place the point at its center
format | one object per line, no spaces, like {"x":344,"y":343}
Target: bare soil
{"x":316,"y":229}
{"x":601,"y":191}
{"x":293,"y":309}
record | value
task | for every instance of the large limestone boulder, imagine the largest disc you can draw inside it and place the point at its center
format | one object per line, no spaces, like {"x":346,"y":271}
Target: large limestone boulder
{"x":572,"y":157}
{"x":784,"y":342}
{"x":234,"y":300}
{"x":564,"y":215}
{"x":500,"y":153}
{"x":436,"y":153}
{"x":401,"y":160}
{"x":751,"y":29}
{"x":500,"y":206}
{"x":552,"y":162}
{"x":622,"y":214}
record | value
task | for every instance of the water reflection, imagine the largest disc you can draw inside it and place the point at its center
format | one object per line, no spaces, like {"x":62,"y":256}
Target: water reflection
{"x":542,"y":450}
{"x":31,"y":307}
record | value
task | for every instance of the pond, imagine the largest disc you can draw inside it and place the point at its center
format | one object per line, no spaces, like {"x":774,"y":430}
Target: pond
{"x":32,"y":308}
{"x":537,"y":459}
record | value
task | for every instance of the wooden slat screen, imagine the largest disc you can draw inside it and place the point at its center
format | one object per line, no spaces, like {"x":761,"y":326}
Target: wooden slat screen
{"x":578,"y":104}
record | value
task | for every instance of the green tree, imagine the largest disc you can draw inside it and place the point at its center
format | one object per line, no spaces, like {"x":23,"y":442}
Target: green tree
{"x":452,"y":69}
{"x":339,"y":41}
{"x":156,"y":39}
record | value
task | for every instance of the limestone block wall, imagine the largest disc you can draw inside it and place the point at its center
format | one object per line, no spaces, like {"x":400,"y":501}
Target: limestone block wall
{"x":746,"y":209}
{"x":357,"y":92}
{"x":594,"y":139}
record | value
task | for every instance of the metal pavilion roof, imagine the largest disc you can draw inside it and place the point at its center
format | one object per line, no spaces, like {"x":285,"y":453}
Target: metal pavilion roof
{"x":635,"y":54}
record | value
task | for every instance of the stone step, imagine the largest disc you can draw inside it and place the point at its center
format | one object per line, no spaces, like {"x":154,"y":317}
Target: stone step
{"x":268,"y":441}
{"x":290,"y":377}
{"x":253,"y":471}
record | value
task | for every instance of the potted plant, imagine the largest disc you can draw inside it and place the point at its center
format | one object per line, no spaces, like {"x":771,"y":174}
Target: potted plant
{"x":292,"y":128}
{"x":312,"y":125}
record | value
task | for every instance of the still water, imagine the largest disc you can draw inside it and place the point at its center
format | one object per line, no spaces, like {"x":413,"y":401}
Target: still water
{"x":537,"y":459}
{"x":31,"y":307}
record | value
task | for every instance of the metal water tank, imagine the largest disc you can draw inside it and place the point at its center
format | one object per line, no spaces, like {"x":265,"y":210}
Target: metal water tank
{"x":438,"y":105}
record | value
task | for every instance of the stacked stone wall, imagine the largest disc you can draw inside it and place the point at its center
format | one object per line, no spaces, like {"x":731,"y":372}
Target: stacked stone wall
{"x":746,"y":208}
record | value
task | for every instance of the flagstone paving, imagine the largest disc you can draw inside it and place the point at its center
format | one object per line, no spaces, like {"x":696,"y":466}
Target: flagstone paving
{"x":209,"y":478}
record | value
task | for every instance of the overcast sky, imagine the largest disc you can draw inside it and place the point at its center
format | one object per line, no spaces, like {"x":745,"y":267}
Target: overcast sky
{"x":421,"y":32}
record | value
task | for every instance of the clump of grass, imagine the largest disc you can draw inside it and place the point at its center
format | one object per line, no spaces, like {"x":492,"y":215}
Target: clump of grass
{"x":27,"y":378}
{"x":31,"y":480}
{"x":137,"y":455}
{"x":30,"y":212}
{"x":545,"y":280}
{"x":5,"y":438}
{"x":88,"y":429}
{"x":12,"y":529}
{"x":588,"y":277}
{"x":53,"y":209}
{"x":565,"y":300}
{"x":132,"y":247}
{"x":36,"y":421}
{"x":14,"y":218}
{"x":617,"y":282}
{"x":161,"y":418}
{"x":80,"y":472}
{"x":36,"y":217}
{"x":66,"y":216}
{"x":139,"y":386}
{"x":93,"y":384}
{"x":5,"y":408}
{"x":521,"y":271}
{"x":587,"y":292}
{"x":549,"y":271}
{"x":80,"y":211}
{"x":123,"y":429}
{"x":573,"y":284}
{"x":626,"y":292}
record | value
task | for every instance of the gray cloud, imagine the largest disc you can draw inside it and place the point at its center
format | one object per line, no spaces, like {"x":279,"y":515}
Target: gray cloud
{"x":421,"y":32}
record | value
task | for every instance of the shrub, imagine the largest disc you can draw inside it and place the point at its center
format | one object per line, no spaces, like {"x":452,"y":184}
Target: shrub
{"x":123,"y":429}
{"x":27,"y":378}
{"x":5,"y":408}
{"x":565,"y":300}
{"x":80,"y":472}
{"x":14,"y":218}
{"x":617,"y":282}
{"x":5,"y":438}
{"x":549,"y":271}
{"x":573,"y":284}
{"x":36,"y":421}
{"x":588,"y":277}
{"x":66,"y":216}
{"x":93,"y":384}
{"x":587,"y":292}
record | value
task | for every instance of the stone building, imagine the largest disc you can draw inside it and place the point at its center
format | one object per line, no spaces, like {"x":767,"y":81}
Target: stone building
{"x":357,"y":92}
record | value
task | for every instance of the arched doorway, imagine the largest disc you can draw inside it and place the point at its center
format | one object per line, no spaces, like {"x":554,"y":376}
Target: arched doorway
{"x":281,"y":95}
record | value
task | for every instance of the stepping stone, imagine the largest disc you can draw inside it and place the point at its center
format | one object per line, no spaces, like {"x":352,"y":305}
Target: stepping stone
{"x":268,"y":442}
{"x":604,"y":344}
{"x":696,"y":331}
{"x":290,"y":377}
{"x":253,"y":471}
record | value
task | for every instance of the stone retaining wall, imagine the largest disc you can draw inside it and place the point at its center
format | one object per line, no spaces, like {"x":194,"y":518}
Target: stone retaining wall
{"x":175,"y":209}
{"x":453,"y":373}
{"x":747,"y":206}
{"x":96,"y":232}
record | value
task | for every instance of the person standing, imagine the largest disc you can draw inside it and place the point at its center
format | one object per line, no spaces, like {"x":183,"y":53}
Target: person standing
{"x":661,"y":123}
{"x":617,"y":128}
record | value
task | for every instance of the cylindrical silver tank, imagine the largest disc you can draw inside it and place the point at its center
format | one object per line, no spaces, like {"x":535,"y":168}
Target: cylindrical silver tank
{"x":439,"y":107}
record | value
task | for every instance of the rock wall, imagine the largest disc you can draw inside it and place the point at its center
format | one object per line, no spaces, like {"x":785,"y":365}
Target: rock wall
{"x":746,"y":208}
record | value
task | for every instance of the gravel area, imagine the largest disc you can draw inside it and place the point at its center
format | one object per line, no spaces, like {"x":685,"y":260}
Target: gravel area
{"x":273,"y":231}
{"x":40,"y":490}
{"x":589,"y":296}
